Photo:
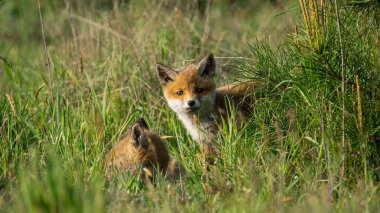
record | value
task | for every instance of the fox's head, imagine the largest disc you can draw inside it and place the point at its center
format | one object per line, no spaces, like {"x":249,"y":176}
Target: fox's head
{"x":190,"y":89}
{"x":140,"y":147}
{"x":148,"y":147}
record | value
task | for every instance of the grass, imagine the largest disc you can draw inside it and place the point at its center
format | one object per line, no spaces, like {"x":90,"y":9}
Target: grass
{"x":289,"y":157}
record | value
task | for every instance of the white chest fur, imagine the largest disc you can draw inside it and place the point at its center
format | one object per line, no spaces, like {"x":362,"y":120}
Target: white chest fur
{"x":190,"y":125}
{"x":200,"y":131}
{"x":204,"y":131}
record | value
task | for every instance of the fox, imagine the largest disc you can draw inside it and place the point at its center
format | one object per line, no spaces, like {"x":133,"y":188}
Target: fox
{"x":143,"y":151}
{"x":192,"y":94}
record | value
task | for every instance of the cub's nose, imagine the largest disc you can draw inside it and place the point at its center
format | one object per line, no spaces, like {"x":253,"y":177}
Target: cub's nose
{"x":191,"y":103}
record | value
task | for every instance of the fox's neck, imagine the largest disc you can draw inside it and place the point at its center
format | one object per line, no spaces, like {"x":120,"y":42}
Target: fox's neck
{"x":195,"y":122}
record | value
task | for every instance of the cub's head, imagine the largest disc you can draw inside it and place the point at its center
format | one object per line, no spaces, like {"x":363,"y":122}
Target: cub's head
{"x":139,"y":148}
{"x":149,"y":148}
{"x":190,"y":89}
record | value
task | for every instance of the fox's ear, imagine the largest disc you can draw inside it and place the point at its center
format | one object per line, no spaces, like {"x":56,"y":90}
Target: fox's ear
{"x":142,"y":123}
{"x":165,"y":74}
{"x":206,"y":68}
{"x":138,"y":136}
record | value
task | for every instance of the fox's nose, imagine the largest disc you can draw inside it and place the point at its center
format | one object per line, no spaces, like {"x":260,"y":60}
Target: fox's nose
{"x":191,"y":103}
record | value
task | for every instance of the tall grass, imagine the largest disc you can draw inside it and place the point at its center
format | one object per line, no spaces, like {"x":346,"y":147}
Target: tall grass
{"x":53,"y":137}
{"x":301,"y":83}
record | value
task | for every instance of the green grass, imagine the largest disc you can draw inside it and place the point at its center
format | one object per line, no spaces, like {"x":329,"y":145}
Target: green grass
{"x":290,"y":156}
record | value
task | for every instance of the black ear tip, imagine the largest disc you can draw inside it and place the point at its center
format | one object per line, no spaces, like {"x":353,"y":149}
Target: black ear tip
{"x":161,"y":67}
{"x":142,"y":123}
{"x":211,"y":58}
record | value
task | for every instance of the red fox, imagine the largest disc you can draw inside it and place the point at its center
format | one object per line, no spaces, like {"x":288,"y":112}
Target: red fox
{"x":191,"y":92}
{"x":141,"y":149}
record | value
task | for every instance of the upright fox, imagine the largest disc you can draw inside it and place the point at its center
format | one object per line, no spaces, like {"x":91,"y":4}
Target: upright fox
{"x":191,"y":92}
{"x":141,"y":148}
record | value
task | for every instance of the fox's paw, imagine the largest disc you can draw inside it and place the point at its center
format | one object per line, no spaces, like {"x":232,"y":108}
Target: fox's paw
{"x":212,"y":154}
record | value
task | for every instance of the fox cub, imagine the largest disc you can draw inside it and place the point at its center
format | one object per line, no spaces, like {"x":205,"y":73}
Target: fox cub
{"x":141,"y":150}
{"x":191,"y":92}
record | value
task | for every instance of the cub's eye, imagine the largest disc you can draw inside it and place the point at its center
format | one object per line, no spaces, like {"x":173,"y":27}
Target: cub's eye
{"x":199,"y":90}
{"x":179,"y":93}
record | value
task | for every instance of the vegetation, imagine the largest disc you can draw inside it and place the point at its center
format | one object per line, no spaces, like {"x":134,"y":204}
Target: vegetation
{"x":312,"y":143}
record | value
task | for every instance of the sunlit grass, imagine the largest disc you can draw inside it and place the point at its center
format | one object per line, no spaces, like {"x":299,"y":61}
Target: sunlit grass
{"x":288,"y":157}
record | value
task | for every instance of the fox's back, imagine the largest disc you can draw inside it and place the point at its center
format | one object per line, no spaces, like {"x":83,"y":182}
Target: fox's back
{"x":124,"y":154}
{"x":237,"y":97}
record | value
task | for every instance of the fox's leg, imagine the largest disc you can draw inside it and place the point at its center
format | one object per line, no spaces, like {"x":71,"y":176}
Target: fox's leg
{"x":147,"y":173}
{"x":211,"y":152}
{"x":175,"y":170}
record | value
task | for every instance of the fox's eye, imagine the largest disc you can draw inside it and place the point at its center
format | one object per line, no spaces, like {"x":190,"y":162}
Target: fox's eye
{"x":199,"y":90}
{"x":179,"y":93}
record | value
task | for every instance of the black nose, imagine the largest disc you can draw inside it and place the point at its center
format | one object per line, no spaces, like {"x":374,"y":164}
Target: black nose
{"x":191,"y":103}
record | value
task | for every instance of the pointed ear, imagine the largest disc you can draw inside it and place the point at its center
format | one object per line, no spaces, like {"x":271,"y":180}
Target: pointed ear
{"x":206,"y":68}
{"x":165,"y":74}
{"x":138,"y":136}
{"x":142,"y":123}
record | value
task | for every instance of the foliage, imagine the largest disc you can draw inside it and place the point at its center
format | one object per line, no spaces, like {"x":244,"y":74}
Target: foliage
{"x":290,"y":156}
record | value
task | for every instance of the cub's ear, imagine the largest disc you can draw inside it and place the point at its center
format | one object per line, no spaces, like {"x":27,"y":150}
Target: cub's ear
{"x":165,"y":74}
{"x":142,"y":123}
{"x":206,"y":68}
{"x":138,"y":136}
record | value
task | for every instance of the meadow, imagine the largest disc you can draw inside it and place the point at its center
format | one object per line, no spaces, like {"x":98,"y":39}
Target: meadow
{"x":74,"y":75}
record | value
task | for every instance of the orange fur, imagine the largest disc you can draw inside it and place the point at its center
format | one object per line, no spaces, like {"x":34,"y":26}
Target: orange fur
{"x":191,"y":92}
{"x":149,"y":152}
{"x":125,"y":155}
{"x":187,"y":80}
